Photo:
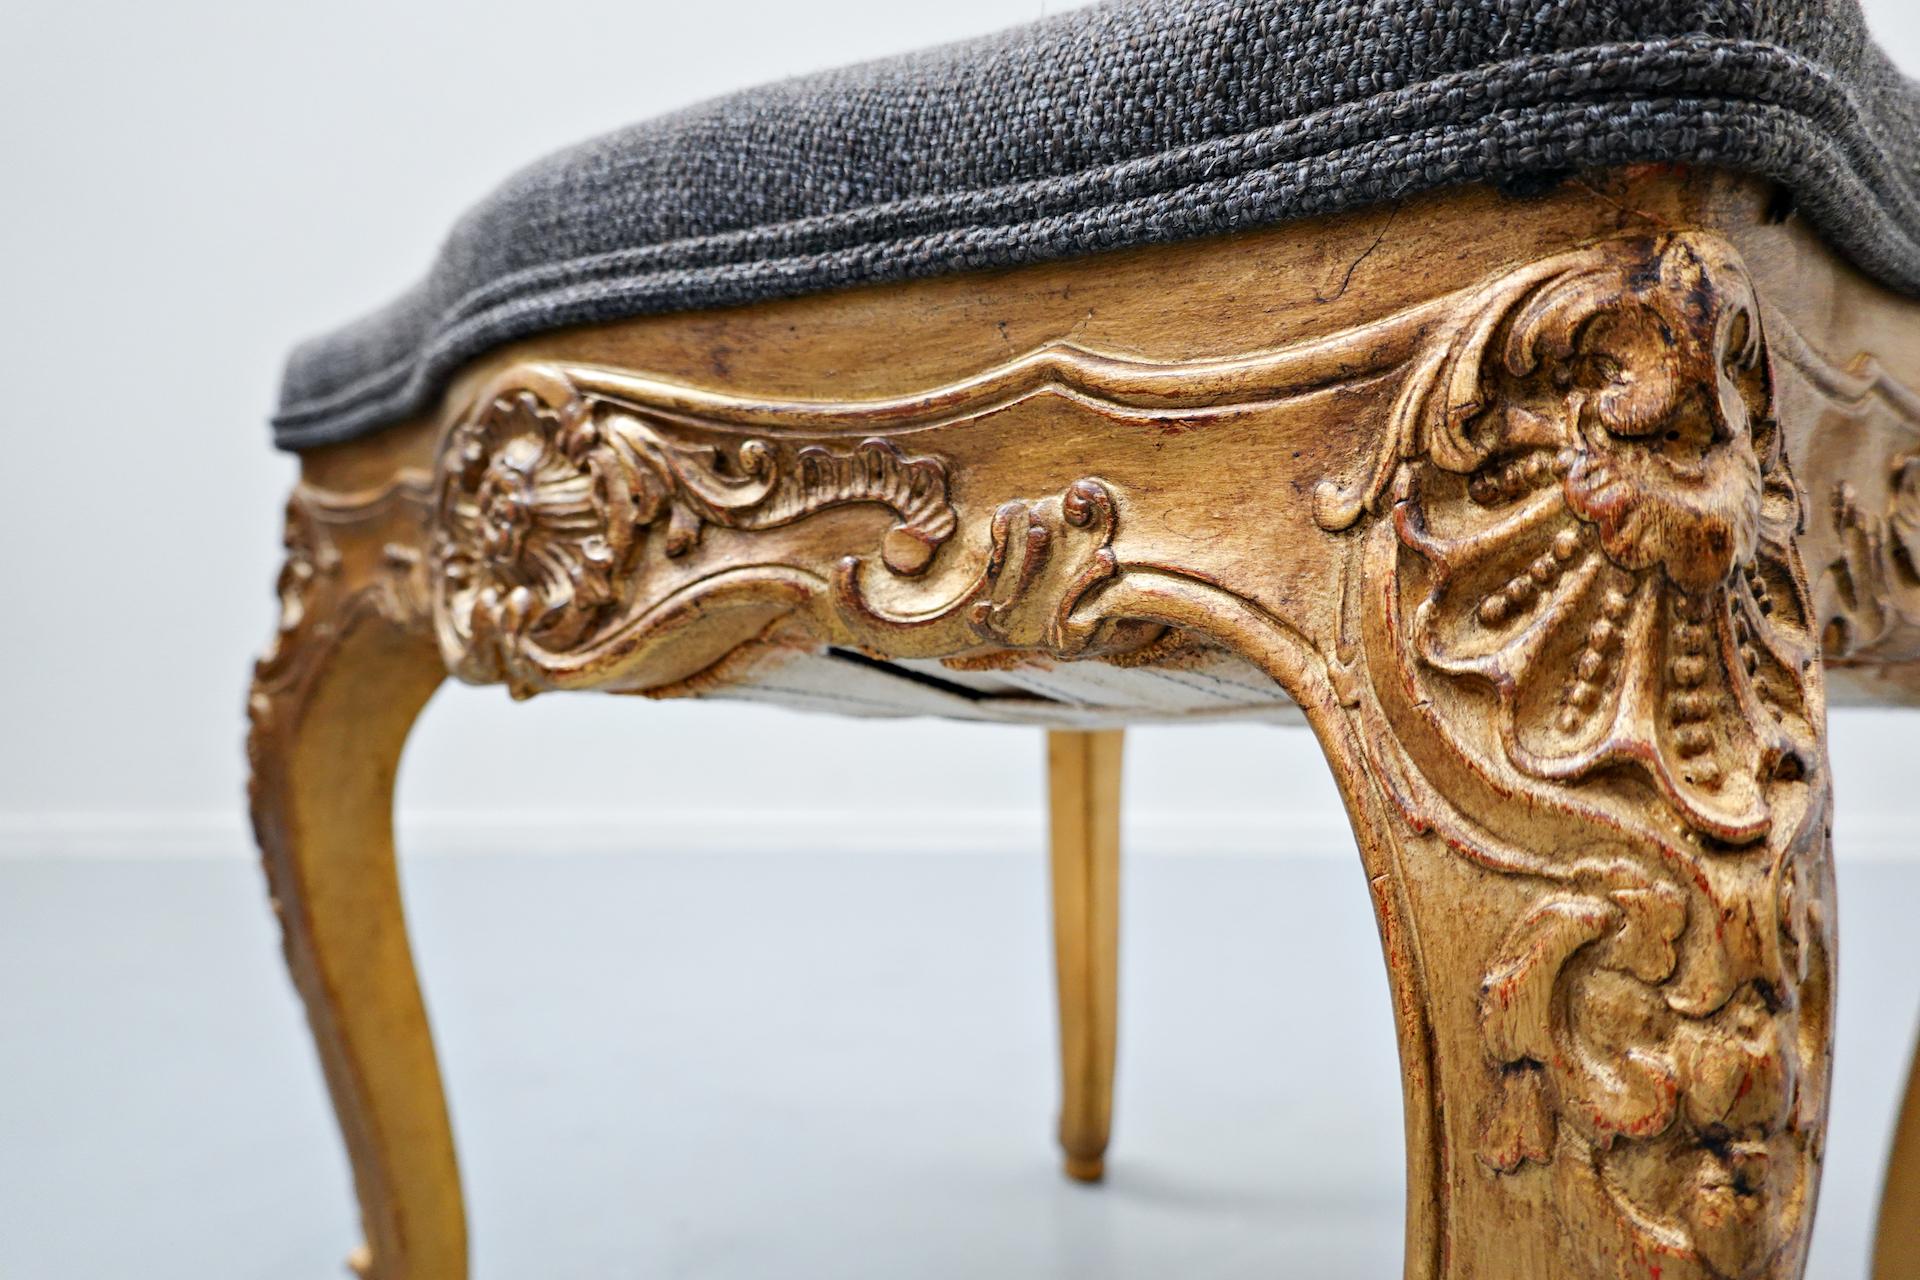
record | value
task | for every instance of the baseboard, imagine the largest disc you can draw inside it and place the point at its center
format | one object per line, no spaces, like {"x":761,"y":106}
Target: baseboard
{"x":814,"y":831}
{"x":443,"y":834}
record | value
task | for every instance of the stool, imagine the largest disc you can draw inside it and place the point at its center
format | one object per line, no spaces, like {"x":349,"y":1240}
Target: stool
{"x":1529,"y":403}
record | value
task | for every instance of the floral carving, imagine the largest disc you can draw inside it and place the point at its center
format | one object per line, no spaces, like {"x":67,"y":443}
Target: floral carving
{"x":545,"y":510}
{"x":1596,"y":600}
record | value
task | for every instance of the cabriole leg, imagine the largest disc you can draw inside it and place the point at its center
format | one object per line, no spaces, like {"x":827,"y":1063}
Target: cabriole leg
{"x":1582,"y":736}
{"x":331,"y":708}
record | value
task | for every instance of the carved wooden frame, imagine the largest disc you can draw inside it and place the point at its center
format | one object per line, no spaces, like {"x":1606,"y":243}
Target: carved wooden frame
{"x":1590,"y":514}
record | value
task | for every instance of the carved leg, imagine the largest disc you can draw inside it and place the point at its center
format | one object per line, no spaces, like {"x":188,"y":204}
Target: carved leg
{"x":1582,"y":735}
{"x":1896,"y":1254}
{"x":331,"y":707}
{"x":1615,"y":1063}
{"x":1083,"y":772}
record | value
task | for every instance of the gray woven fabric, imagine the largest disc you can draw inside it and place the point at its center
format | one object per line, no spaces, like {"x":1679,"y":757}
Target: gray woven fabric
{"x":1131,"y":122}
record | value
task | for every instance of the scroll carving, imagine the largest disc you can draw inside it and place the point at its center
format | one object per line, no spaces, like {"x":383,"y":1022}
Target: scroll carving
{"x":547,"y":508}
{"x":1878,"y":570}
{"x":1584,"y":657}
{"x":320,"y":592}
{"x":1870,"y":590}
{"x":312,"y":563}
{"x":1046,"y":560}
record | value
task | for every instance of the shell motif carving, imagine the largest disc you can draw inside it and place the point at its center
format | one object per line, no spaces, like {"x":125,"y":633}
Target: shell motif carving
{"x":1617,"y":561}
{"x":1607,"y":519}
{"x":548,"y":504}
{"x":1594,"y":611}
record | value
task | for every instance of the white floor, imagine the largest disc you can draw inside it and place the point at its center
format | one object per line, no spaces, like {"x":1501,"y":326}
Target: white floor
{"x":740,"y":1065}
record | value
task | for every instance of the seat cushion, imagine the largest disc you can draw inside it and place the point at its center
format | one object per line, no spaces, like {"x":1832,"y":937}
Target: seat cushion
{"x":1132,"y":122}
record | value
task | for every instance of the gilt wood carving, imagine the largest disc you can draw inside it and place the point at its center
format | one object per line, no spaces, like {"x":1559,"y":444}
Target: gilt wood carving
{"x":1548,"y":562}
{"x":1588,"y":660}
{"x":1871,"y":512}
{"x":349,"y":557}
{"x":1580,"y":651}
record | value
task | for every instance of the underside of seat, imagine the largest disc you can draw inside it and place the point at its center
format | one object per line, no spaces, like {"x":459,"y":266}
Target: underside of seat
{"x":1204,"y":684}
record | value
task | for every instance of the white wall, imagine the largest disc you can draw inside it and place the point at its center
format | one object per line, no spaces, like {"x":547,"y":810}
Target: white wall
{"x":192,"y":186}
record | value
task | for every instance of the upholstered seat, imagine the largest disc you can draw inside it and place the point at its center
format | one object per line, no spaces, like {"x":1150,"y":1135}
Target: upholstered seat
{"x":1128,"y":123}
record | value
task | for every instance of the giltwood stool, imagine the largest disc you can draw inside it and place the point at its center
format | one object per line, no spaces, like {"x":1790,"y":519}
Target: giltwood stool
{"x":1528,"y":396}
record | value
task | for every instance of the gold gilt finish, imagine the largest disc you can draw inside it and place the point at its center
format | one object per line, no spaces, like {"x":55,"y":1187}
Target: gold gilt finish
{"x":1556,"y":518}
{"x":1083,"y":786}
